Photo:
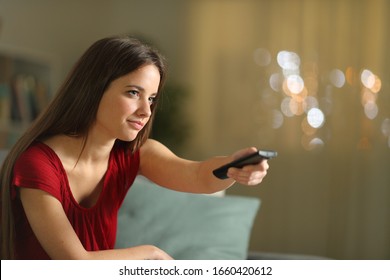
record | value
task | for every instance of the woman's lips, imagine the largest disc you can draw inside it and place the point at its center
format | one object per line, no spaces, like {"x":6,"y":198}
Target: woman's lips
{"x":136,"y":124}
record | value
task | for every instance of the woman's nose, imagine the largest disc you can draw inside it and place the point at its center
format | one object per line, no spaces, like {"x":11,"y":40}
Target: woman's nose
{"x":144,"y":109}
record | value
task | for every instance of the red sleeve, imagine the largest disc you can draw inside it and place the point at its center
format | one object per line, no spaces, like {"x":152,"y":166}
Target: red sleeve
{"x":39,"y":168}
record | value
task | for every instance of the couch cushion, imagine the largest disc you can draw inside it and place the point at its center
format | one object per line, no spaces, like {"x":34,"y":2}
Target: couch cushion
{"x":186,"y":226}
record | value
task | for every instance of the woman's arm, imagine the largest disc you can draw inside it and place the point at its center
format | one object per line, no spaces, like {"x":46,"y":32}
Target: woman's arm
{"x":57,"y":237}
{"x":163,"y":167}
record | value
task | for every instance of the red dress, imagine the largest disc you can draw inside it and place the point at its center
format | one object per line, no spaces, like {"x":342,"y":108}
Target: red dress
{"x":39,"y":167}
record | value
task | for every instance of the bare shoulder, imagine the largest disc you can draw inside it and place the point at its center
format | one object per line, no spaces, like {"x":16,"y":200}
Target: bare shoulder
{"x":55,"y":141}
{"x":155,"y":148}
{"x":67,"y":148}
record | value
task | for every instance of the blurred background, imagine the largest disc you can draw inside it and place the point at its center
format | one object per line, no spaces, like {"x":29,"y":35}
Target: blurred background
{"x":308,"y":78}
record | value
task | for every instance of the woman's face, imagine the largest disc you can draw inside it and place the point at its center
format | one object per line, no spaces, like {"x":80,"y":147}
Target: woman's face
{"x":125,"y":106}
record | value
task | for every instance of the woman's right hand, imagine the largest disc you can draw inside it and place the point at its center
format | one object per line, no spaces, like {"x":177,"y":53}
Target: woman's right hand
{"x":155,"y":253}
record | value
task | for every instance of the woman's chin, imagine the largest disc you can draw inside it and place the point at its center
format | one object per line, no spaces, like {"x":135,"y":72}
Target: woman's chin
{"x":128,"y":138}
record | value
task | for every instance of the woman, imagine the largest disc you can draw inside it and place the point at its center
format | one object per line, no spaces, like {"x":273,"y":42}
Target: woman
{"x":65,"y":179}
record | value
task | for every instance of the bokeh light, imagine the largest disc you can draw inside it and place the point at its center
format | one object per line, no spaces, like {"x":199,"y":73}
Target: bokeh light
{"x":351,"y":76}
{"x":368,"y":96}
{"x":288,"y":60}
{"x":295,"y":84}
{"x":277,"y":119}
{"x":315,"y":117}
{"x":367,"y":78}
{"x":276,"y":81}
{"x":296,"y":106}
{"x":310,"y":102}
{"x":262,"y":57}
{"x":371,"y":110}
{"x":385,"y":127}
{"x":285,"y":107}
{"x":377,"y":85}
{"x":337,"y":78}
{"x":306,"y":94}
{"x":312,"y":143}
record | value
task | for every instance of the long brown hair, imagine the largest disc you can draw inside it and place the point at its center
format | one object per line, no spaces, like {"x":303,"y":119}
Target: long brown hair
{"x":73,"y":110}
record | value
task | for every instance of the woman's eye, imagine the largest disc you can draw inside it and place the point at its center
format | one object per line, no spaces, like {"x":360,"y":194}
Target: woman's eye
{"x":133,"y":93}
{"x":152,"y":100}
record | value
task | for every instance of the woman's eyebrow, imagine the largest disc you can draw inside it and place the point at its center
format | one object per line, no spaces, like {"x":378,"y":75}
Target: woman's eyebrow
{"x":135,"y":86}
{"x":140,"y":89}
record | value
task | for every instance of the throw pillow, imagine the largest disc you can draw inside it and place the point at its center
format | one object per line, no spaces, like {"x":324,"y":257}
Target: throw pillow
{"x":186,"y":226}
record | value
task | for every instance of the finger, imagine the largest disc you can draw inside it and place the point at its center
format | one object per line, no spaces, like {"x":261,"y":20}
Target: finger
{"x":261,"y":166}
{"x":250,"y":171}
{"x":250,"y":181}
{"x":246,"y":177}
{"x":265,"y":164}
{"x":238,"y":173}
